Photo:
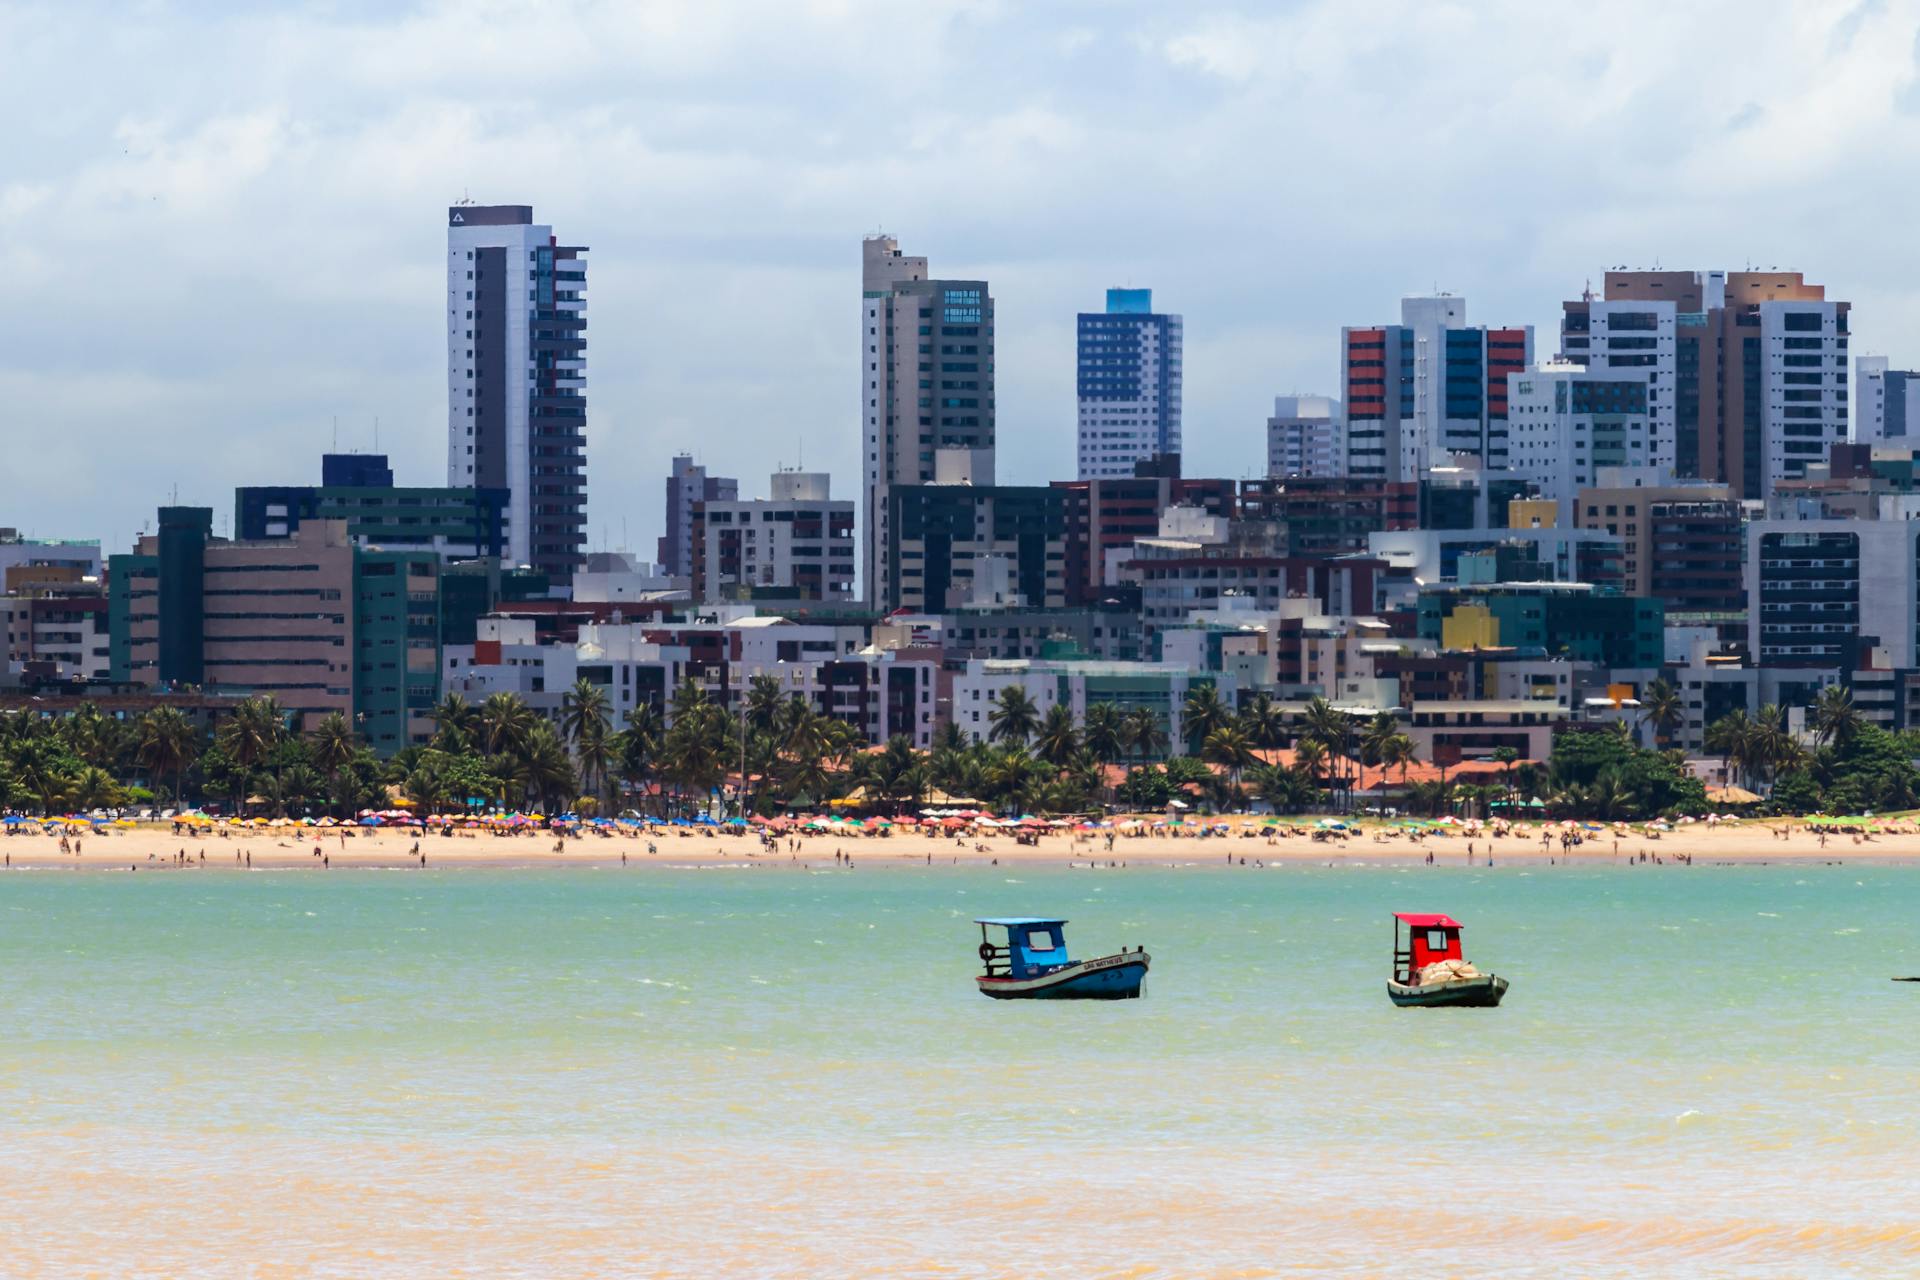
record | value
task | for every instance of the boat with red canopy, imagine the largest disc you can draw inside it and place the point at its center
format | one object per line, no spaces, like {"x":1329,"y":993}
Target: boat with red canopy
{"x":1431,"y":969}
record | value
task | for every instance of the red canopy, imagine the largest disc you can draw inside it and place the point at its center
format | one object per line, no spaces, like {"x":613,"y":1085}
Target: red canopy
{"x":1421,"y":920}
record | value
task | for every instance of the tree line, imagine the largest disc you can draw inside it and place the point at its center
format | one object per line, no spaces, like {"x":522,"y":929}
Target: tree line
{"x":777,"y":752}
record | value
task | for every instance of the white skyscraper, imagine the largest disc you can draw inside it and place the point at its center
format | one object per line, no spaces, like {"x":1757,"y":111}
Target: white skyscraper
{"x":1567,"y":421}
{"x":516,"y":378}
{"x":1633,"y":335}
{"x":1886,"y":403}
{"x":926,"y":385}
{"x":1129,"y":385}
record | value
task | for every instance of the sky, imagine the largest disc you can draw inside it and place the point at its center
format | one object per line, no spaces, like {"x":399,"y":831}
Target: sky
{"x":222,"y":226}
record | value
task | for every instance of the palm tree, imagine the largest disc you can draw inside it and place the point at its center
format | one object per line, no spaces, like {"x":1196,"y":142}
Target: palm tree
{"x":249,"y":736}
{"x":296,"y":785}
{"x":332,"y":745}
{"x":1006,"y":779}
{"x":1770,"y":746}
{"x":1332,"y":728}
{"x":1729,"y":737}
{"x":636,"y":748}
{"x":1144,"y":733}
{"x":585,"y":721}
{"x":1228,"y":746}
{"x":1475,"y":798}
{"x":896,"y":773}
{"x":457,"y":722}
{"x":1310,"y":757}
{"x":696,"y":748}
{"x":1263,"y":722}
{"x":93,"y":737}
{"x":1506,"y":756}
{"x":94,"y":788}
{"x":549,"y":770}
{"x":1201,"y":713}
{"x":765,"y":702}
{"x":1835,"y":719}
{"x":1014,"y":717}
{"x":427,"y":785}
{"x":165,"y":741}
{"x":1104,"y":735}
{"x":1401,"y":753}
{"x":1662,"y":707}
{"x":1380,"y":730}
{"x":505,"y":724}
{"x":1058,"y":741}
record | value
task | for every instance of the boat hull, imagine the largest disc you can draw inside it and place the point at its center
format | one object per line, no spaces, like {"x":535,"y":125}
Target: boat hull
{"x":1465,"y":993}
{"x":1116,"y":977}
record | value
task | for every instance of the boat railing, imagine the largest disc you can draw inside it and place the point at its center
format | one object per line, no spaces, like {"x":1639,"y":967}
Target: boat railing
{"x":999,"y":961}
{"x":1403,"y":966}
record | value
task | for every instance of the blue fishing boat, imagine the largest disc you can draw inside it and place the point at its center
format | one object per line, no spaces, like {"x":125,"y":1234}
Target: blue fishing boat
{"x":1033,"y":964}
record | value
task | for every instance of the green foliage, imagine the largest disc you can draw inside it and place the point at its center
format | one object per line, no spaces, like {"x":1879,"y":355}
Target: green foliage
{"x":1606,"y":776}
{"x":1146,"y":788}
{"x":1797,"y":792}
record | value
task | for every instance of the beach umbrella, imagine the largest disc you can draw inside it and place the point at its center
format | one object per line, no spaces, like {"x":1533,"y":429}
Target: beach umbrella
{"x":373,"y":820}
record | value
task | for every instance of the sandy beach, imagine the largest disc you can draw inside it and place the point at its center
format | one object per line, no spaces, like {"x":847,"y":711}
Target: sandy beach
{"x":157,"y":846}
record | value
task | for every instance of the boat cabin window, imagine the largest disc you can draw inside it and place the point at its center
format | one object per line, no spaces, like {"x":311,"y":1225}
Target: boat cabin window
{"x":1436,"y":939}
{"x":1042,"y":940}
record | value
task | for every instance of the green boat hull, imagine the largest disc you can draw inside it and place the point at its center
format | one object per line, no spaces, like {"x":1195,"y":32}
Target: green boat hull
{"x":1468,"y":993}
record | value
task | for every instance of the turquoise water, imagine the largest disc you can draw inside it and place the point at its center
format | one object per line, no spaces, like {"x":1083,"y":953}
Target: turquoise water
{"x":772,"y":1072}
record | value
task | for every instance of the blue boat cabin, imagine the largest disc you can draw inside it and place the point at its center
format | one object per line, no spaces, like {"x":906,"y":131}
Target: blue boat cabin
{"x":1033,"y":947}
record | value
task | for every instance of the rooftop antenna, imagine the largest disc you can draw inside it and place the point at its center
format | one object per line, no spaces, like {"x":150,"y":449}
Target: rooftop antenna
{"x":376,"y":433}
{"x":336,"y":433}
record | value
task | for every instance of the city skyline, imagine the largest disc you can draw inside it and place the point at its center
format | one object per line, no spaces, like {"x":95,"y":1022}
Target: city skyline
{"x":270,"y":202}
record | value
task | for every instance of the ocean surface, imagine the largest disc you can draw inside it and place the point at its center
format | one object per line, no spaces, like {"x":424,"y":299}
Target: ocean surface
{"x":726,"y":1072}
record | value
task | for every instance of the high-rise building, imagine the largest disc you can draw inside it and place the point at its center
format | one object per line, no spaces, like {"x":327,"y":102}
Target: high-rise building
{"x":1643,"y":336}
{"x":1824,"y":593}
{"x":1428,"y":390}
{"x":1886,"y":402}
{"x":1103,"y":517}
{"x":517,"y":380}
{"x":961,"y":544}
{"x":795,"y":545}
{"x":1303,"y":437}
{"x":1756,"y":368}
{"x":314,"y":619}
{"x":926,"y":386}
{"x":1129,"y":385}
{"x":688,"y":485}
{"x":1679,"y":542}
{"x":1569,"y":421}
{"x":455,"y":524}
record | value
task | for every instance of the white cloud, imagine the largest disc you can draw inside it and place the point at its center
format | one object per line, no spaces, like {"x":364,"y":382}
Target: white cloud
{"x":219,"y":232}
